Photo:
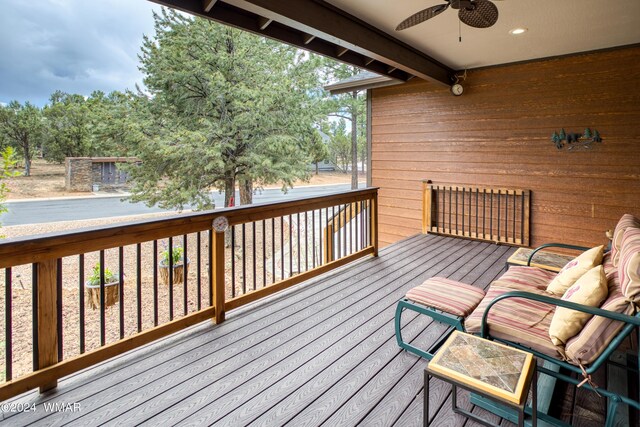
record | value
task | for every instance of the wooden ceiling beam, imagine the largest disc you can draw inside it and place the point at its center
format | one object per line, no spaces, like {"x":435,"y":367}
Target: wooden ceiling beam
{"x":335,"y":25}
{"x":341,"y":51}
{"x":368,"y":49}
{"x":207,"y":5}
{"x":263,"y":23}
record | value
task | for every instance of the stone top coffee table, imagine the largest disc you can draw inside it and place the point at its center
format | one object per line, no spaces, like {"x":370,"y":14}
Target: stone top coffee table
{"x":490,"y":369}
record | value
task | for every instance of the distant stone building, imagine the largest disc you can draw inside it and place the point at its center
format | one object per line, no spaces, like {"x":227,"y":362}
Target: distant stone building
{"x":83,"y":173}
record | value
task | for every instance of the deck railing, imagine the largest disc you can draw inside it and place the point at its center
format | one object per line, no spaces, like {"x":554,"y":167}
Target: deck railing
{"x":168,"y":274}
{"x":498,"y":215}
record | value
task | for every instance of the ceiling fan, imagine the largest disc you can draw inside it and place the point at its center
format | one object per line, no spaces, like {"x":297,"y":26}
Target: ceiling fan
{"x":474,"y":13}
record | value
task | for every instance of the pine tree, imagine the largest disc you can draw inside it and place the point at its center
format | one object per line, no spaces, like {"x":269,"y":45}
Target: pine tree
{"x":224,"y":107}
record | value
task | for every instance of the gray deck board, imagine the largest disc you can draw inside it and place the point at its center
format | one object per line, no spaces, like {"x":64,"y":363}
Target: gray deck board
{"x":321,"y":353}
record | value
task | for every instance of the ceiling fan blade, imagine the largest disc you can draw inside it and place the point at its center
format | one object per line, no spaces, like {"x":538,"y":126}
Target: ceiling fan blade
{"x":483,"y":15}
{"x":422,"y":16}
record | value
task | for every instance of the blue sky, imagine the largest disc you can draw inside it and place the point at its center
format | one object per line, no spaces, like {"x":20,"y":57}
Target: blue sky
{"x":77,"y":46}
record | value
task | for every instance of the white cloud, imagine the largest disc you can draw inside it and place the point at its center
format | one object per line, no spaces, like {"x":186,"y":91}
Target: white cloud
{"x":73,"y":45}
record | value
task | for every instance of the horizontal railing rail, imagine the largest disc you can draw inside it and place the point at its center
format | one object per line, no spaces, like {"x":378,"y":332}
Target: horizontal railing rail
{"x":500,"y":215}
{"x":73,"y":299}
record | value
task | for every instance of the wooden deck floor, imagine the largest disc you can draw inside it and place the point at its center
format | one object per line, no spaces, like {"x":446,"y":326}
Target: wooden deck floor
{"x":323,"y":353}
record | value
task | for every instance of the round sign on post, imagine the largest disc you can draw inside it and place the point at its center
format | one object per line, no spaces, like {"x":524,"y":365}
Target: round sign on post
{"x":220,"y":224}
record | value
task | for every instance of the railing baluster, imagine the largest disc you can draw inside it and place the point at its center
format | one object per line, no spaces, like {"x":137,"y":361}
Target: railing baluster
{"x":155,"y":283}
{"x":313,"y":237}
{"x":477,"y":203}
{"x":185,"y":274}
{"x":102,"y":301}
{"x":273,"y":250}
{"x":290,"y":246}
{"x":515,"y":198}
{"x":81,"y":299}
{"x":351,"y":222}
{"x":233,"y":261}
{"x":139,"y":285}
{"x":336,"y":226}
{"x":282,"y":248}
{"x":440,"y":225}
{"x":306,"y":241}
{"x":8,"y":323}
{"x":264,"y":253}
{"x":470,"y":212}
{"x":484,"y":213}
{"x":498,"y":231}
{"x":358,"y":226}
{"x":170,"y":278}
{"x":463,"y":194}
{"x":199,"y":270}
{"x":34,"y":316}
{"x":59,"y":307}
{"x":491,"y":215}
{"x":298,"y":239}
{"x":244,"y":259}
{"x":121,"y":288}
{"x":327,"y":240}
{"x":253,"y":253}
{"x":522,"y":221}
{"x":211,"y":261}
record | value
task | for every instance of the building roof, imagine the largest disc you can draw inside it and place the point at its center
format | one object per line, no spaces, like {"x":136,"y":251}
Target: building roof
{"x":361,"y":81}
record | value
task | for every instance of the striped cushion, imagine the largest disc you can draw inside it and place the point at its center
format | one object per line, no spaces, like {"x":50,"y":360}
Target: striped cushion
{"x":518,"y":320}
{"x":609,"y":269}
{"x":629,"y":265}
{"x":447,"y":295}
{"x":625,"y":222}
{"x":585,"y":347}
{"x":527,"y":279}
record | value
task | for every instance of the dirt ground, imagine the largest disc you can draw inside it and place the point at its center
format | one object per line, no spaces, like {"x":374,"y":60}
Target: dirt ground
{"x":47,"y":180}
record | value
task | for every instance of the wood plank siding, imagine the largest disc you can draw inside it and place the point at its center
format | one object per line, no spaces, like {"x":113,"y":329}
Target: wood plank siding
{"x":497,"y":134}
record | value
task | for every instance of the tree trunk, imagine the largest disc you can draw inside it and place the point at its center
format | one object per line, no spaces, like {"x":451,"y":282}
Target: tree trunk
{"x":317,"y":168}
{"x":27,"y":159}
{"x":229,"y":189}
{"x":354,"y":142}
{"x":246,"y":191}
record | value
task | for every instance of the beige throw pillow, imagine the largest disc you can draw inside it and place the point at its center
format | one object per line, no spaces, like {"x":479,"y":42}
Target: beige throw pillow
{"x":590,"y":289}
{"x":574,"y":269}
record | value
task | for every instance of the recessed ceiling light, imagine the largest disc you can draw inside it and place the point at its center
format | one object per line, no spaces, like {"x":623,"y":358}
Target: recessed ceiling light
{"x":517,"y":31}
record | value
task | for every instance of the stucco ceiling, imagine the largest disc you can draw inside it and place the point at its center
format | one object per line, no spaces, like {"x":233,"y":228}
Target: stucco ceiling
{"x":555,"y":27}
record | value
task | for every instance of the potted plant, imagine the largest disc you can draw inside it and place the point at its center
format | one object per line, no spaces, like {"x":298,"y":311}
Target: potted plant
{"x":178,"y":265}
{"x":111,"y":288}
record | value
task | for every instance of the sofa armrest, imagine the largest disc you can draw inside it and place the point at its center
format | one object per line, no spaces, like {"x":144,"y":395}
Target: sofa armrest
{"x":597,"y":311}
{"x":554,"y":245}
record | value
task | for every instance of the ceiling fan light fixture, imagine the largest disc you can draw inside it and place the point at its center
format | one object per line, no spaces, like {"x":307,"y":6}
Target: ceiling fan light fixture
{"x":517,"y":31}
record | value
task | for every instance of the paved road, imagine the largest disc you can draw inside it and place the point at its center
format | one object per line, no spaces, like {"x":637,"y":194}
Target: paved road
{"x":34,"y":212}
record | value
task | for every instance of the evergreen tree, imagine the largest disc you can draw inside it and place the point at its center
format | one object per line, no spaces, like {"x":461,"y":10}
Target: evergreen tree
{"x":22,"y":127}
{"x":68,"y":127}
{"x":224,"y":106}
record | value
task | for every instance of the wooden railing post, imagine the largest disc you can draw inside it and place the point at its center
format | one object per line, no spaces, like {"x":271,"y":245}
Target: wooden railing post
{"x":47,"y":318}
{"x":526,"y":218}
{"x":374,"y":224}
{"x":328,"y":243}
{"x":427,"y":208}
{"x":218,"y":291}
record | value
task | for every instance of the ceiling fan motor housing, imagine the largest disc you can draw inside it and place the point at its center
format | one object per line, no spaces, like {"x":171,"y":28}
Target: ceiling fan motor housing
{"x":462,"y":4}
